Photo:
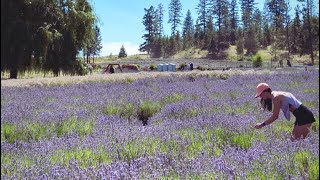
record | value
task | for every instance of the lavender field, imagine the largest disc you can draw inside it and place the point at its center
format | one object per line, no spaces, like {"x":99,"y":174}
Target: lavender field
{"x":174,"y":127}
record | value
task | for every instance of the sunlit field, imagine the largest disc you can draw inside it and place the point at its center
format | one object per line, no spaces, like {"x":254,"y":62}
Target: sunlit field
{"x":157,"y":127}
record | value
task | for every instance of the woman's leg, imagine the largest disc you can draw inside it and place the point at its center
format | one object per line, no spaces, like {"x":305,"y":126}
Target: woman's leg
{"x":301,"y":131}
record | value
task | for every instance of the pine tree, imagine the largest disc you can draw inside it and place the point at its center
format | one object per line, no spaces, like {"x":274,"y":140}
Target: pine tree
{"x":187,"y":31}
{"x":149,"y":23}
{"x":309,"y":40}
{"x":220,"y":11}
{"x":276,"y":9}
{"x":203,"y":14}
{"x":122,"y":52}
{"x":234,"y":20}
{"x":94,"y":48}
{"x":247,"y":7}
{"x":175,"y":8}
{"x":239,"y":43}
{"x":197,"y":35}
{"x":257,"y":23}
{"x":296,"y":32}
{"x":287,"y":22}
{"x":266,"y":26}
{"x":160,"y":11}
{"x":250,"y":43}
{"x":210,"y":42}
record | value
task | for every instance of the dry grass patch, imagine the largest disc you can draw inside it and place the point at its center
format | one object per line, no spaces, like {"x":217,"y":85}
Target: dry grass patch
{"x":66,"y":80}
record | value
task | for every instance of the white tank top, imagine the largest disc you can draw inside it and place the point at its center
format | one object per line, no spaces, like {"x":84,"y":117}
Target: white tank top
{"x":289,"y":100}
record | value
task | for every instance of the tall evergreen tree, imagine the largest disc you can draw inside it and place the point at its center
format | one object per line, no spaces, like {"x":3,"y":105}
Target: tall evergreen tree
{"x":220,"y":11}
{"x":250,"y":43}
{"x":175,"y":14}
{"x":277,"y":9}
{"x":234,"y":21}
{"x":239,"y":43}
{"x":266,"y":25}
{"x":287,"y":22}
{"x":247,"y":7}
{"x":307,"y":25}
{"x":203,"y":14}
{"x":257,"y":24}
{"x":94,"y":46}
{"x":197,"y":35}
{"x":296,"y":32}
{"x":187,"y":31}
{"x":148,"y":22}
{"x":160,"y":11}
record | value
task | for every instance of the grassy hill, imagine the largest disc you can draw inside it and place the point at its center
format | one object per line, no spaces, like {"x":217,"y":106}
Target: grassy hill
{"x":231,"y":54}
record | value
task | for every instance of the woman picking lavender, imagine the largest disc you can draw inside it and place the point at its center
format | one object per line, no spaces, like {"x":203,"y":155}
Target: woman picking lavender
{"x":287,"y":103}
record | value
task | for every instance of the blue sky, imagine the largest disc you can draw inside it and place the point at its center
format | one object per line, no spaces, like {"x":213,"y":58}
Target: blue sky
{"x":120,"y":21}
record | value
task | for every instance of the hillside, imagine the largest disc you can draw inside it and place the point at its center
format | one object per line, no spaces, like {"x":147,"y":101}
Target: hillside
{"x":231,"y":53}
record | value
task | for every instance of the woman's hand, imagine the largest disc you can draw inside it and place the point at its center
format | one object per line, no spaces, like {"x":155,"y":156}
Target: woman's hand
{"x":259,"y":125}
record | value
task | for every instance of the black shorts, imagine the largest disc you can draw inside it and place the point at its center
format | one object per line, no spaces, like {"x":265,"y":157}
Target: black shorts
{"x":303,"y":116}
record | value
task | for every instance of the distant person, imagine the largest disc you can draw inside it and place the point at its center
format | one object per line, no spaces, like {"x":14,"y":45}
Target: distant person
{"x":111,"y":70}
{"x":287,"y":103}
{"x":288,"y":63}
{"x":191,"y":66}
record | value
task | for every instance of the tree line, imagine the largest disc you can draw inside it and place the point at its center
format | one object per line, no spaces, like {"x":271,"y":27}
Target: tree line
{"x":47,"y":35}
{"x":218,"y":25}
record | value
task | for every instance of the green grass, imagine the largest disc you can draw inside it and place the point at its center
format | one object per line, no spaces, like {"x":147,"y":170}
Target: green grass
{"x":135,"y":148}
{"x":85,"y":157}
{"x":185,"y":114}
{"x":125,"y":110}
{"x":242,"y":140}
{"x":8,"y":132}
{"x":147,"y":109}
{"x":283,"y":126}
{"x":314,"y":104}
{"x":14,"y":162}
{"x":174,"y":98}
{"x":315,"y":125}
{"x":37,"y":131}
{"x":258,"y":173}
{"x":144,"y":111}
{"x":307,"y":164}
{"x":71,"y":126}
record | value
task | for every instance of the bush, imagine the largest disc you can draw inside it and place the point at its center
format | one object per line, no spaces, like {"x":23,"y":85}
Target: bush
{"x":257,"y":60}
{"x":99,"y":66}
{"x":224,"y":45}
{"x":81,"y":68}
{"x":201,"y":68}
{"x":152,"y":67}
{"x":241,"y":58}
{"x":182,"y":66}
{"x":147,"y":109}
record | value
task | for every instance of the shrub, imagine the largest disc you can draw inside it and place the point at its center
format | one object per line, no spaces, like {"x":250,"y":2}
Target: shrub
{"x":241,"y":58}
{"x":99,"y":66}
{"x":147,"y":109}
{"x":82,"y":68}
{"x":152,"y":67}
{"x":257,"y":60}
{"x":201,"y":68}
{"x":182,"y":66}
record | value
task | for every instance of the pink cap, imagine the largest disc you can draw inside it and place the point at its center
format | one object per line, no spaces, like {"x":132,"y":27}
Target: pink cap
{"x":260,"y":88}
